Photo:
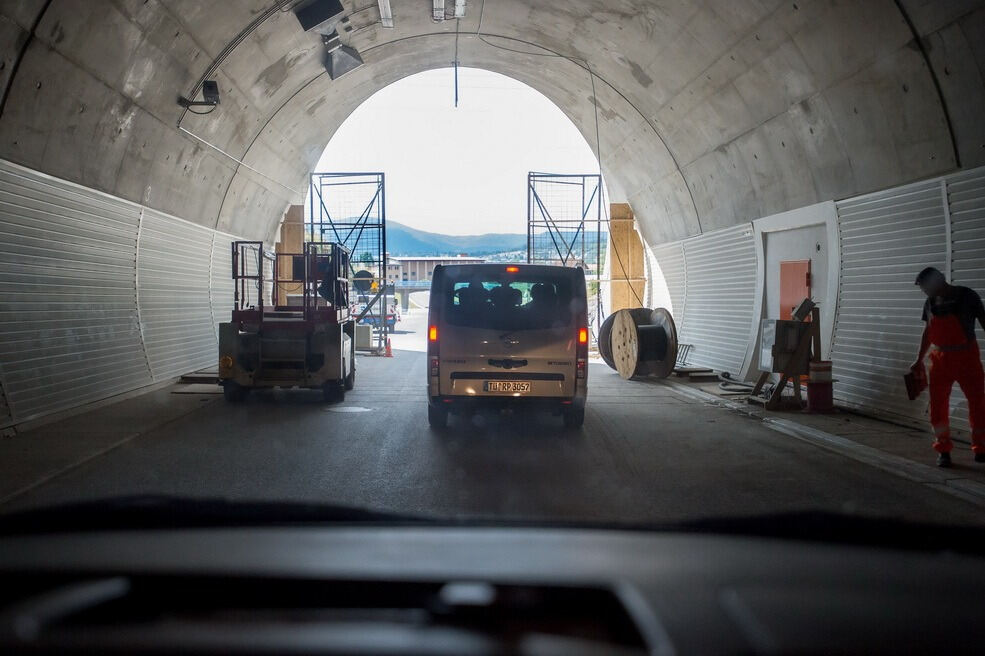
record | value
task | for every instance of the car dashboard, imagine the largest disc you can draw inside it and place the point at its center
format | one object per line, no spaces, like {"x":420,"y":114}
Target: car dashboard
{"x":486,"y":590}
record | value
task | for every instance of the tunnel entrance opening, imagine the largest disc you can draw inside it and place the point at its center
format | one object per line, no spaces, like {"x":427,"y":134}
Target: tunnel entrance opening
{"x":456,"y":176}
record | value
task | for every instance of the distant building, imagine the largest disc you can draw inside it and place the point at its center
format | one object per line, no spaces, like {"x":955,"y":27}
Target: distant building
{"x":415,"y":269}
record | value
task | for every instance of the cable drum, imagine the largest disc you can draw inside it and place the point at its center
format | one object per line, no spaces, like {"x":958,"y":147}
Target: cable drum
{"x":362,"y":280}
{"x":639,"y":342}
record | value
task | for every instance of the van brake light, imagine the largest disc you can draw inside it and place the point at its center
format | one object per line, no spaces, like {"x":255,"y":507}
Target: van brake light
{"x":583,"y":335}
{"x":433,"y":334}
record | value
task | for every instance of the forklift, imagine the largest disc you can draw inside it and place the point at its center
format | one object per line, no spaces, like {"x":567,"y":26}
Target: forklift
{"x":302,"y":340}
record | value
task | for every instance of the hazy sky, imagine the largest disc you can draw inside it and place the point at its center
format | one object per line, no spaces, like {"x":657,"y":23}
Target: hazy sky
{"x":458,"y":170}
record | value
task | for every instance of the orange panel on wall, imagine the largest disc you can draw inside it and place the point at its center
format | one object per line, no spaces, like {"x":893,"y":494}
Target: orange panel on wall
{"x":795,"y":285}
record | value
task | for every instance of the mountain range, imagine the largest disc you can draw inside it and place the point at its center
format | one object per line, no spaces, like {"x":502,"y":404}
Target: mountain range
{"x":404,"y":241}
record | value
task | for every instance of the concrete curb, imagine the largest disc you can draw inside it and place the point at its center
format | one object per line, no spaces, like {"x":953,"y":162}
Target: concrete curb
{"x":933,"y":477}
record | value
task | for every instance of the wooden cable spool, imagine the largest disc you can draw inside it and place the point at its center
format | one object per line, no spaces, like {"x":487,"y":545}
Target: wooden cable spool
{"x":639,"y":342}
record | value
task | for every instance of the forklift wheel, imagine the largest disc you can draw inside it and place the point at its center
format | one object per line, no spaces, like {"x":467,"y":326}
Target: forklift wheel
{"x":233,"y":392}
{"x":333,"y":392}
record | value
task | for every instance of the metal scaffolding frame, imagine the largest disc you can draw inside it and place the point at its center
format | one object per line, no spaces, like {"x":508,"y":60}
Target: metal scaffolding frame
{"x":350,"y":209}
{"x":565,"y":227}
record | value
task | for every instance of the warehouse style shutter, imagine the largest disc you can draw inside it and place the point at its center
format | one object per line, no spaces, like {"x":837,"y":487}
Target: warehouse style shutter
{"x":720,"y":272}
{"x":101,"y":296}
{"x":670,"y":259}
{"x":886,"y":239}
{"x":173,"y":289}
{"x":966,"y":207}
{"x":69,"y":331}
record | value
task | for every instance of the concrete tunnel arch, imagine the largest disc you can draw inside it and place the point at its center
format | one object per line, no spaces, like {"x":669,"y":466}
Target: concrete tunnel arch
{"x":712,"y":114}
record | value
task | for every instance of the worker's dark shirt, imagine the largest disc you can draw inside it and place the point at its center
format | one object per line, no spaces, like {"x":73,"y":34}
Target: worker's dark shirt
{"x":962,"y":302}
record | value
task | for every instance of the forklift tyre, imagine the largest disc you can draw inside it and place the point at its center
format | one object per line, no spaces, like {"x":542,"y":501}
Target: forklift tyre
{"x":233,"y":392}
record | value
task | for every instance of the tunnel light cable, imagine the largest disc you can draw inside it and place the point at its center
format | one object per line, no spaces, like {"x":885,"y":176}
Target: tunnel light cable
{"x":578,"y":61}
{"x":456,"y":62}
{"x":598,"y":152}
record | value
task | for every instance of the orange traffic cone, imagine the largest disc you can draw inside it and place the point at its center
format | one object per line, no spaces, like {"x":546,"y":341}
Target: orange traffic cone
{"x":389,"y":351}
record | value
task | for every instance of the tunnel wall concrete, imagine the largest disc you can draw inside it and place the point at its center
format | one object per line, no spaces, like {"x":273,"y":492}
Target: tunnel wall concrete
{"x":101,"y":296}
{"x":711,"y":113}
{"x":877,"y":244}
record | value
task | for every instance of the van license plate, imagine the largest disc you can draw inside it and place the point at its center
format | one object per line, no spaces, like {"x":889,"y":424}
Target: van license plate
{"x":507,"y":386}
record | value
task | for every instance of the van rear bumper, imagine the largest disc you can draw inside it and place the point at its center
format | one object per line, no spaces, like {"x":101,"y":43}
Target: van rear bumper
{"x":458,"y":404}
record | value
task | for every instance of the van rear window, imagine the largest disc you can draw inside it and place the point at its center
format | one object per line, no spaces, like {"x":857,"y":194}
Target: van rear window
{"x":508,"y":302}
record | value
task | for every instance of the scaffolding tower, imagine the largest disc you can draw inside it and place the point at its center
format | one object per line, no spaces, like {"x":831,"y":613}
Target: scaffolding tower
{"x":565,"y":227}
{"x":350,"y":209}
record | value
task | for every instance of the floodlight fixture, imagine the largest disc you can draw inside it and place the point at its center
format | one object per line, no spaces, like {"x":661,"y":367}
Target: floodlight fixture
{"x":210,"y":96}
{"x":339,"y":58}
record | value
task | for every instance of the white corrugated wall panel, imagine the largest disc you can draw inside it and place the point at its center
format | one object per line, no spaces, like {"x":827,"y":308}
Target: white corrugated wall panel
{"x":720,"y":270}
{"x":670,"y":259}
{"x":886,"y":239}
{"x":966,"y":204}
{"x":173,"y":288}
{"x":69,"y":332}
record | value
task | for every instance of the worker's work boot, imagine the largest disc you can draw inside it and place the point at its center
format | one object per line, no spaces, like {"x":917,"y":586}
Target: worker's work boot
{"x":943,"y":459}
{"x":980,"y":457}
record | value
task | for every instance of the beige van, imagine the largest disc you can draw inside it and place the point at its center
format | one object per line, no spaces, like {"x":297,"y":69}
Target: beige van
{"x":504,"y":335}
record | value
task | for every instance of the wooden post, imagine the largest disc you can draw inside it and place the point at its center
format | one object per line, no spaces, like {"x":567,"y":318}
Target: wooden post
{"x":626,"y":266}
{"x":291,"y":242}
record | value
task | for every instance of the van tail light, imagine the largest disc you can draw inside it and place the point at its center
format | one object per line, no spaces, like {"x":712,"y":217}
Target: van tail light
{"x":581,"y":363}
{"x":433,"y":350}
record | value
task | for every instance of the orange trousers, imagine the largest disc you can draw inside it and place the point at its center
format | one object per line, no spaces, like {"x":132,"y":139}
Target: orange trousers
{"x":963,"y":367}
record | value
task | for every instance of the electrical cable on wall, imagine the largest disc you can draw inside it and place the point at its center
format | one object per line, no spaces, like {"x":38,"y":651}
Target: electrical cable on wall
{"x":192,"y":111}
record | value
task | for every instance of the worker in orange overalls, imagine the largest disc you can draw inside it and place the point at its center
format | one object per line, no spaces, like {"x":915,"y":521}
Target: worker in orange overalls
{"x":949,"y":335}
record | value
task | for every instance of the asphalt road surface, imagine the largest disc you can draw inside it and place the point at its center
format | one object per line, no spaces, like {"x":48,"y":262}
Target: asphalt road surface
{"x":646,"y":453}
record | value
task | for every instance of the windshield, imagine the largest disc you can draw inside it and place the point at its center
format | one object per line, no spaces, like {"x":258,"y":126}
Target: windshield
{"x":692,"y":261}
{"x":509,"y":303}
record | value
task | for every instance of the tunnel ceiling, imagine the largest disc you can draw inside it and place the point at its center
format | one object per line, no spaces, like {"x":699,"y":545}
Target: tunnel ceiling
{"x":710,"y":113}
